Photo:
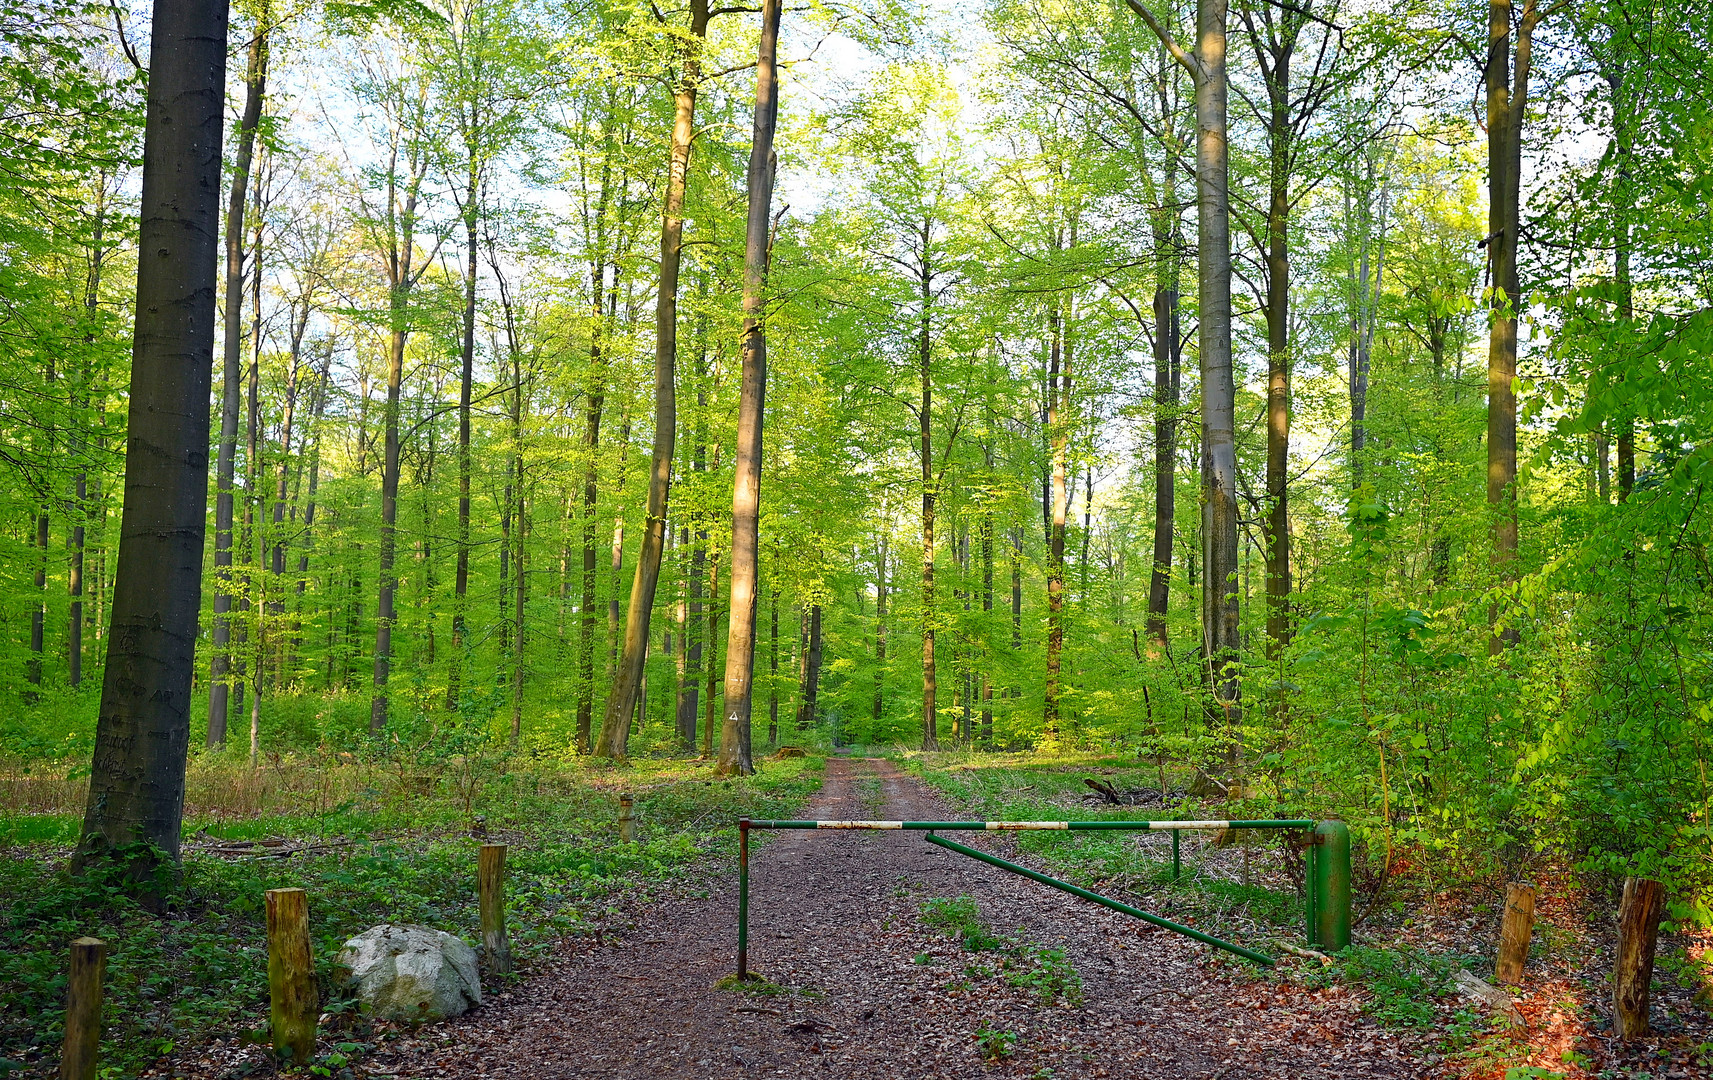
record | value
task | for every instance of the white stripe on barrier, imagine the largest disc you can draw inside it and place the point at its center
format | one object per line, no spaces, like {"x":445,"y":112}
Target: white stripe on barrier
{"x":1018,"y":826}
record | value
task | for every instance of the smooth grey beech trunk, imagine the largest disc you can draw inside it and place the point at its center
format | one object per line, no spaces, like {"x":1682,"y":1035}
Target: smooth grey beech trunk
{"x":735,"y":756}
{"x":136,"y":784}
{"x":1206,"y":66}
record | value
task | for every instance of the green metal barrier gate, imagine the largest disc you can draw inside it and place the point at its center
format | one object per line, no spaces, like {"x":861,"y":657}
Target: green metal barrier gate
{"x":1327,"y":873}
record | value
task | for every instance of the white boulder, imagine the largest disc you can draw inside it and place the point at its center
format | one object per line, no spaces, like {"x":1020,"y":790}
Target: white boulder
{"x":412,"y":973}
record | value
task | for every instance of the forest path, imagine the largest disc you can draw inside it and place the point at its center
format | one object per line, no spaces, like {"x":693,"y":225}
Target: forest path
{"x":835,"y":918}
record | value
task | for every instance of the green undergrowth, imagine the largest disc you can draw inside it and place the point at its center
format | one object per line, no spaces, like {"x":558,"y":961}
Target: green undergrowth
{"x":1403,"y":983}
{"x":380,"y":854}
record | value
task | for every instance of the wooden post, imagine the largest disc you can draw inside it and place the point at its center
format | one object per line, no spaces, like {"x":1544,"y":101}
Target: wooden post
{"x":490,"y":891}
{"x":293,"y":1001}
{"x":627,"y":819}
{"x":1514,"y":934}
{"x":83,"y":1009}
{"x":1638,"y":933}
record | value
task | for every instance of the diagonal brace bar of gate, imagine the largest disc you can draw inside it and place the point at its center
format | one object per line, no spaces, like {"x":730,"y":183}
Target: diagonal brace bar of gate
{"x":1065,"y":886}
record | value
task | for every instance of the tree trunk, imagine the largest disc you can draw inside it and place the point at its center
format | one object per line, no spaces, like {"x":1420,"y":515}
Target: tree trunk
{"x":925,"y":418}
{"x":255,"y":86}
{"x":773,"y":666}
{"x":521,"y":597}
{"x":1058,"y":407}
{"x":1219,"y":477}
{"x":987,"y":612}
{"x":591,"y":481}
{"x":618,"y":560}
{"x":1624,"y":149}
{"x":807,"y":710}
{"x":690,"y":640}
{"x":466,"y":379}
{"x":1280,"y":136}
{"x":1017,"y":587}
{"x":136,"y":785}
{"x":735,"y":757}
{"x":880,"y":570}
{"x":1507,"y":102}
{"x":402,"y":275}
{"x":710,"y":691}
{"x":615,"y":729}
{"x":80,"y":484}
{"x":1166,"y":360}
{"x":1633,"y":968}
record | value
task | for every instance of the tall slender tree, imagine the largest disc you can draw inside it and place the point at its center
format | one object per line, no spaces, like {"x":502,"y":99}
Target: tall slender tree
{"x":735,"y":757}
{"x":255,"y":89}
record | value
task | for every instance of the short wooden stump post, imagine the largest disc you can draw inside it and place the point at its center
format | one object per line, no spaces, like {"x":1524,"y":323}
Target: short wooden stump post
{"x":627,"y":819}
{"x":293,"y":1003}
{"x":1638,"y":934}
{"x":83,"y":1009}
{"x":491,"y":897}
{"x":1515,"y":932}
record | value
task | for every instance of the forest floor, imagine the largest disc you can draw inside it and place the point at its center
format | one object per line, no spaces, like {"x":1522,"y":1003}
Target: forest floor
{"x":864,"y":980}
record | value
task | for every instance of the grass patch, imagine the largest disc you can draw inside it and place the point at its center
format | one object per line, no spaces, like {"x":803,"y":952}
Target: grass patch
{"x":394,"y":844}
{"x":753,"y":984}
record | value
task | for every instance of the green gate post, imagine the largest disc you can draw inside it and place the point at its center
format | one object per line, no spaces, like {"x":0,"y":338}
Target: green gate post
{"x":1332,"y":885}
{"x":1175,"y":863}
{"x":743,"y":899}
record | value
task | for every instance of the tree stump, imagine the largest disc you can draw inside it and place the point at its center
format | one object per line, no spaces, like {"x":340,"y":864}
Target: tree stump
{"x":293,"y":1004}
{"x":1638,"y":933}
{"x":1514,"y":934}
{"x":83,"y":1009}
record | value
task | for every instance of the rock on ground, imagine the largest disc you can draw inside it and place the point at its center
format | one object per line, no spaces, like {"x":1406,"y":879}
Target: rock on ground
{"x":412,"y":973}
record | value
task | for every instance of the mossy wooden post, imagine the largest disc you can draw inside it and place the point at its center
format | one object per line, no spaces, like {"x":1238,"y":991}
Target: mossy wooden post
{"x":1638,"y":933}
{"x":627,"y":819}
{"x":83,"y":1009}
{"x":491,"y":894}
{"x":1514,"y":934}
{"x":293,"y":1002}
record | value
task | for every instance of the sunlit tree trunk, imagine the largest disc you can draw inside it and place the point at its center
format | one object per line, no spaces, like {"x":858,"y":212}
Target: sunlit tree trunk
{"x":1213,"y":223}
{"x":615,"y":729}
{"x":735,"y":757}
{"x":1507,"y":103}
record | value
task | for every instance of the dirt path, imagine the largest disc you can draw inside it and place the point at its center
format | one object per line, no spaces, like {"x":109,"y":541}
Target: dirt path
{"x":835,"y":919}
